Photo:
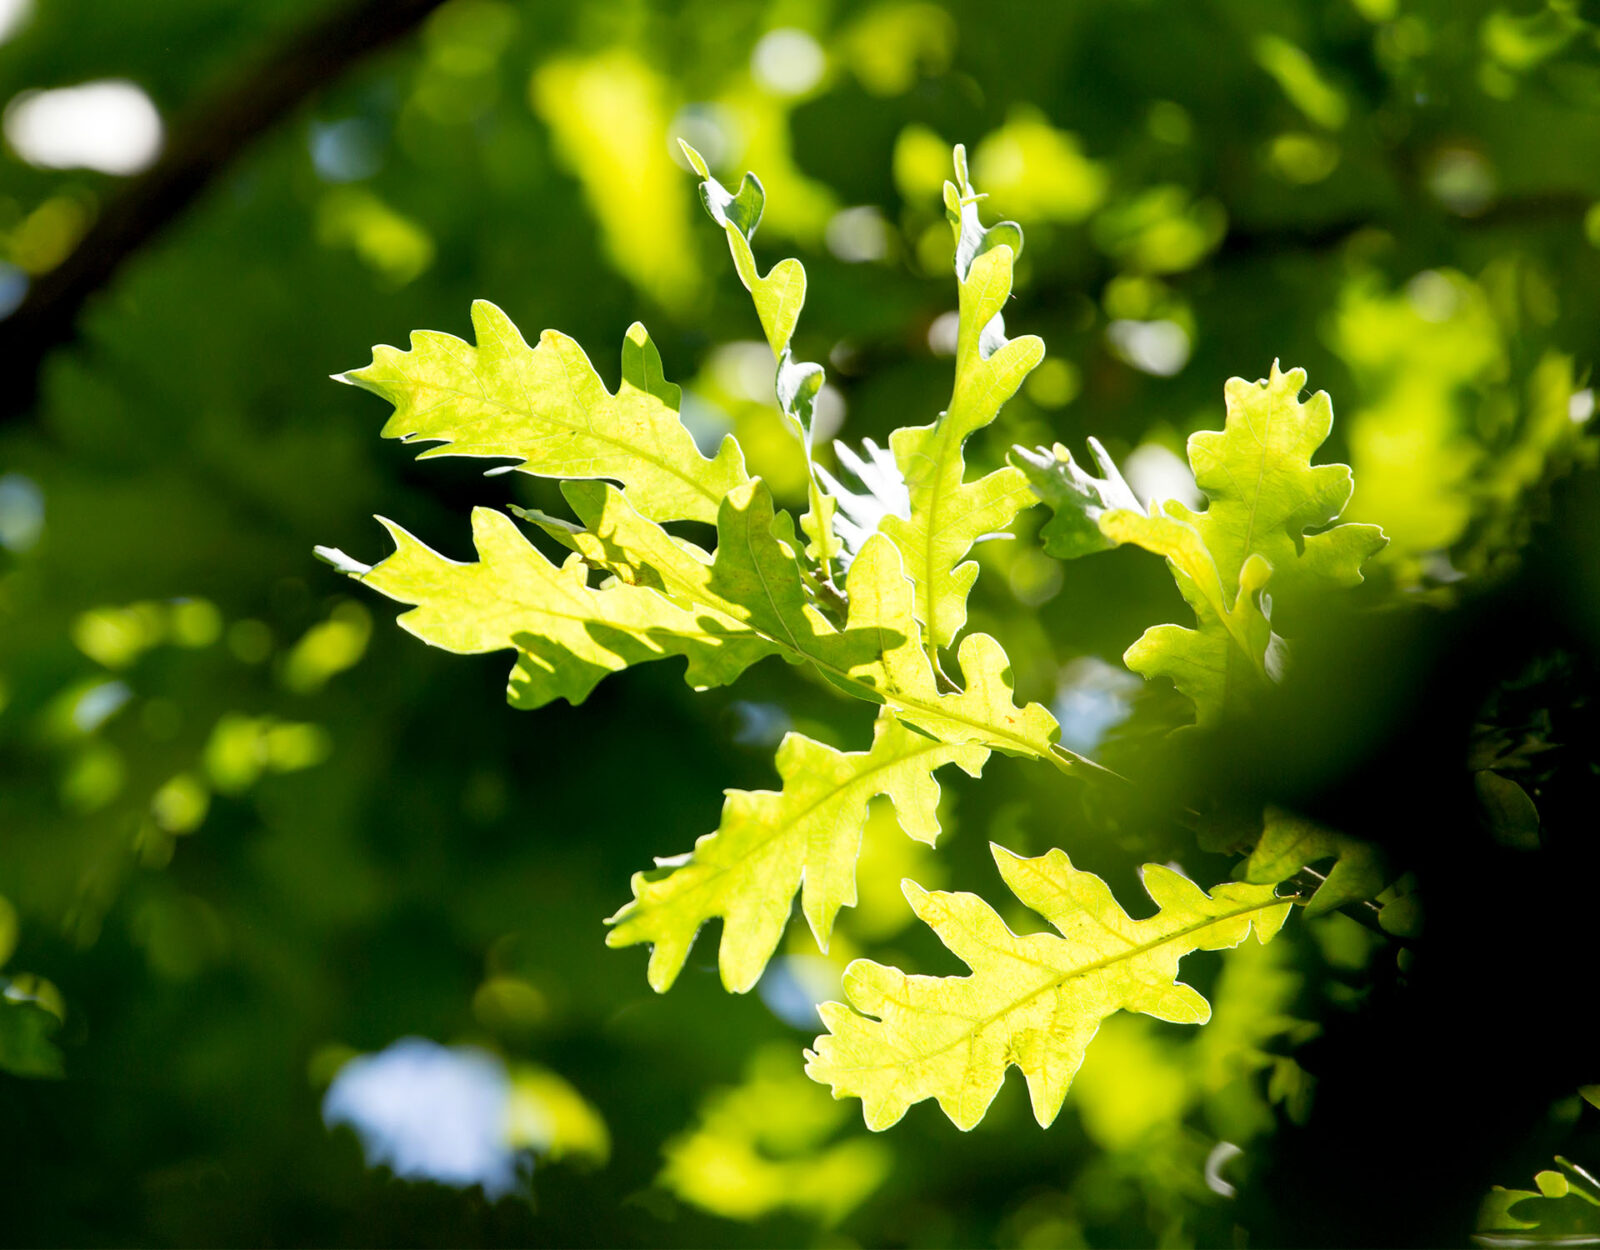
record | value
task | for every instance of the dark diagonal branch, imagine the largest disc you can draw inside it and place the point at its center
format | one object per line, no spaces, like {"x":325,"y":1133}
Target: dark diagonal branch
{"x":1540,"y":211}
{"x":207,"y":137}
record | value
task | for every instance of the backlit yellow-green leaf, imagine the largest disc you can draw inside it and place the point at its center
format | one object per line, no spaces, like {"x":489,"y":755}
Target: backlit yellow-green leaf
{"x":755,"y":581}
{"x":1266,"y":497}
{"x":947,"y":513}
{"x":722,"y":612}
{"x":546,"y":408}
{"x":567,"y":635}
{"x":902,"y":674}
{"x":1031,"y":1001}
{"x":1268,"y":525}
{"x":769,"y":842}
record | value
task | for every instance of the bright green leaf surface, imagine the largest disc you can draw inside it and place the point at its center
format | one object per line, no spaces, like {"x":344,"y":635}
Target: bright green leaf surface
{"x":1265,"y":495}
{"x":1436,"y":244}
{"x":568,"y":636}
{"x":1269,"y":518}
{"x":756,"y":580}
{"x":1034,"y":1001}
{"x":547,"y":408}
{"x":721,"y":612}
{"x":770,"y":842}
{"x":949,"y":514}
{"x":1231,"y":652}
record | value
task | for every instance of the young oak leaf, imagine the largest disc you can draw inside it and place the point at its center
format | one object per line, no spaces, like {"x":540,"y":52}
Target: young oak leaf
{"x":754,"y":580}
{"x":567,"y":634}
{"x":1270,"y":514}
{"x":546,"y":408}
{"x":669,"y":597}
{"x":1076,"y":497}
{"x":1233,"y":651}
{"x":722,"y":612}
{"x":1289,"y":843}
{"x":947,"y":513}
{"x":779,"y":295}
{"x":1034,"y":1001}
{"x":902,"y":674}
{"x":1266,"y":497}
{"x":1096,"y":514}
{"x":806,"y":837}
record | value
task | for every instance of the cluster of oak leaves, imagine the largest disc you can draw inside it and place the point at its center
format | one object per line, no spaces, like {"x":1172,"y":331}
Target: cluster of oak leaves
{"x":871,"y":591}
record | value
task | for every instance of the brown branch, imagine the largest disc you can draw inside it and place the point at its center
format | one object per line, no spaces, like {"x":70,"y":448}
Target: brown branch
{"x":207,"y":138}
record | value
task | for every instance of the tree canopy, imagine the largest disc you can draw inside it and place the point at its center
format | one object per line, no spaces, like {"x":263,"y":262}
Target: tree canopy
{"x":265,"y":858}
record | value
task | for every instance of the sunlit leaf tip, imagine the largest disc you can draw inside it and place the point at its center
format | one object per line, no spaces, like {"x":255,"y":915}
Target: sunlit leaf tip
{"x":946,"y":513}
{"x":779,"y":296}
{"x":345,"y":564}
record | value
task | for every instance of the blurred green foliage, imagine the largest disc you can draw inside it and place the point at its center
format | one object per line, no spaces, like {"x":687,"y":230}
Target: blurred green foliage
{"x":248,"y":831}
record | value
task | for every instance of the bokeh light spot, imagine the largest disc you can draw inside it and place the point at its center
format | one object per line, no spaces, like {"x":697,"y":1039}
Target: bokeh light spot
{"x":111,"y":126}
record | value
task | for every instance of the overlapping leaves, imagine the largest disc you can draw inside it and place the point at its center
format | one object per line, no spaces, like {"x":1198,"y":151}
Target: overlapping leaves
{"x":748,"y":871}
{"x":722,"y":611}
{"x":1270,"y":519}
{"x":628,"y":591}
{"x":1291,"y":843}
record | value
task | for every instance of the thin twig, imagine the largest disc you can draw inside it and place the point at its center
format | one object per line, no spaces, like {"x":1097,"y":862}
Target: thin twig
{"x":1364,"y":912}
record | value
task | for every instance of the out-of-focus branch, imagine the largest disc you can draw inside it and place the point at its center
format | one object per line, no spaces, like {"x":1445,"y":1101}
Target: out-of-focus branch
{"x":1537,"y":211}
{"x":205,"y":140}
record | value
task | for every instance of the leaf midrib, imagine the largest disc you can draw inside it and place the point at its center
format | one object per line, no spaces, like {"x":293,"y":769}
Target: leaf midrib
{"x":1061,"y":978}
{"x":947,"y":465}
{"x":530,"y":415}
{"x":802,"y":816}
{"x":1229,"y":669}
